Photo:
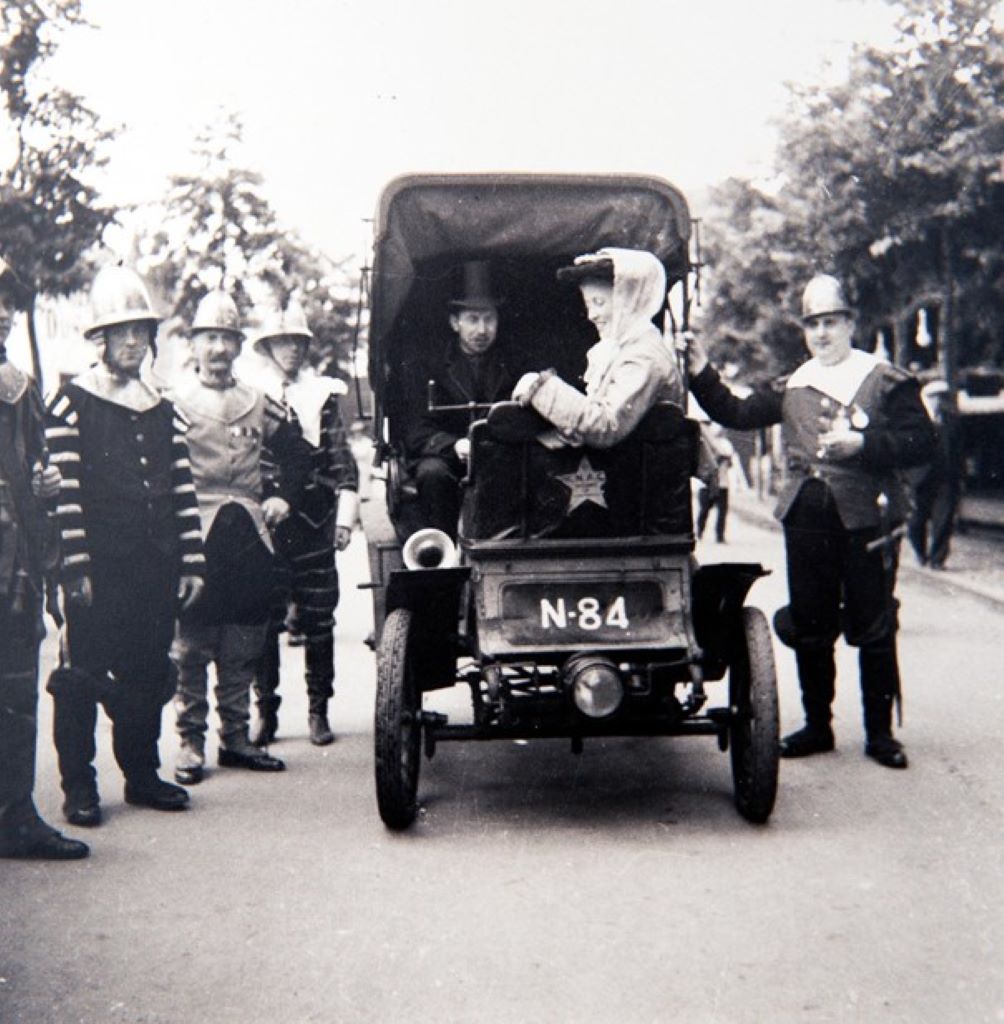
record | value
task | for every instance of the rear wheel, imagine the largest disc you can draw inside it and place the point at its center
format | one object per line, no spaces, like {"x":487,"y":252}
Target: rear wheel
{"x":754,"y":733}
{"x":397,"y":724}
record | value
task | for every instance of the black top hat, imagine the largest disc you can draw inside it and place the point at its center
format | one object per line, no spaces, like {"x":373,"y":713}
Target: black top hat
{"x":476,"y":290}
{"x":599,"y":268}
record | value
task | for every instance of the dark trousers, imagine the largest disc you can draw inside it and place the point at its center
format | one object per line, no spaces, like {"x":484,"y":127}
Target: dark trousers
{"x":307,"y":603}
{"x":438,"y":483}
{"x":837,"y":586}
{"x":705,"y":503}
{"x":930,"y":528}
{"x":121,"y":642}
{"x":20,"y":635}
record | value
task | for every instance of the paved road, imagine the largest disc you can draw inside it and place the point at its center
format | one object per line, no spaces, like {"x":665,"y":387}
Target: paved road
{"x":536,"y":886}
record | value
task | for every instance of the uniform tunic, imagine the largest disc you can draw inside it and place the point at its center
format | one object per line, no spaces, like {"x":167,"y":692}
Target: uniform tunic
{"x":129,"y":522}
{"x":229,"y":430}
{"x":22,"y":558}
{"x":306,"y":540}
{"x":832,"y":511}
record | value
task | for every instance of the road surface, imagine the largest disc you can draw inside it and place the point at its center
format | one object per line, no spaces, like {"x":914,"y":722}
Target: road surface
{"x":619,"y":885}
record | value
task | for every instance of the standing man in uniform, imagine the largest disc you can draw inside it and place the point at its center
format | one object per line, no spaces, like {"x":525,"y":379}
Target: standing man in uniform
{"x":308,"y":539}
{"x":230,"y":427}
{"x":850,"y":421}
{"x":26,"y":484}
{"x":132,"y":552}
{"x":471,"y":369}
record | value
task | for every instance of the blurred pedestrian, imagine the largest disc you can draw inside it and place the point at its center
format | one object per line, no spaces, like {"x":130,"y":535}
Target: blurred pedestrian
{"x":717,"y":496}
{"x":850,"y":421}
{"x":231,"y":425}
{"x":320,"y":526}
{"x":936,"y":487}
{"x":132,"y":552}
{"x":28,"y":548}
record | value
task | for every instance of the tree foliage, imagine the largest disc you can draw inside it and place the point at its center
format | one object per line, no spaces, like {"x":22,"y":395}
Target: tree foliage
{"x":218,"y":229}
{"x":893,"y":179}
{"x":50,"y":214}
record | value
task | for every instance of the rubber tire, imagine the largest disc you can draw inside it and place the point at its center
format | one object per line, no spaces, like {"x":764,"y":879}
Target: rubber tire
{"x":397,"y":732}
{"x":754,"y":736}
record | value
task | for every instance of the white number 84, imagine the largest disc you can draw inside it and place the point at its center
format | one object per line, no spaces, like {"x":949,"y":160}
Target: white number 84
{"x":587,"y":613}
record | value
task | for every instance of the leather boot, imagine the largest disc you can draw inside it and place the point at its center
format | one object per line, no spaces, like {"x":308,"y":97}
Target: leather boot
{"x":265,"y":727}
{"x":317,"y":721}
{"x":189,"y":767}
{"x":267,"y":700}
{"x":816,"y":675}
{"x":879,"y":686}
{"x":319,"y":661}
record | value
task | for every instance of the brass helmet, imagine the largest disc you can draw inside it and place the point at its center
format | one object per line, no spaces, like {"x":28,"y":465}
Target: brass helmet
{"x":290,"y":322}
{"x":119,"y":296}
{"x":824,"y":294}
{"x":217,"y":312}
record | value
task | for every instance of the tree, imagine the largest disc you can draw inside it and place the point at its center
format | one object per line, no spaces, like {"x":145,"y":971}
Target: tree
{"x":218,"y":229}
{"x":50,"y":214}
{"x":894,"y":180}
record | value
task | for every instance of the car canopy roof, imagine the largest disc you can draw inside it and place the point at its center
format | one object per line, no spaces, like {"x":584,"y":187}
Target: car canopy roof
{"x":460,"y":217}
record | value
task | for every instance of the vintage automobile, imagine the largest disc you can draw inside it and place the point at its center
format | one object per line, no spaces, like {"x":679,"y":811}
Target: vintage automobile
{"x":572,"y":605}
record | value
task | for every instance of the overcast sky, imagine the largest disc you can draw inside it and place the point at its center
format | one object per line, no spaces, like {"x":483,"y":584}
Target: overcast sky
{"x":339,"y":96}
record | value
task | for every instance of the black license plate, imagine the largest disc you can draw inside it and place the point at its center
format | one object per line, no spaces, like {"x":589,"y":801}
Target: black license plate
{"x":559,"y":613}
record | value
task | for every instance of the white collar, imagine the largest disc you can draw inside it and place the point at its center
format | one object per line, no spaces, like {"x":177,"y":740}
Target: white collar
{"x":306,"y":396}
{"x":840,"y":382}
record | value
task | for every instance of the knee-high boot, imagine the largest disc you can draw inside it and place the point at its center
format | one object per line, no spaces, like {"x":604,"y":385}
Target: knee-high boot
{"x":266,"y":686}
{"x":880,"y":687}
{"x":320,"y":674}
{"x":817,"y":677}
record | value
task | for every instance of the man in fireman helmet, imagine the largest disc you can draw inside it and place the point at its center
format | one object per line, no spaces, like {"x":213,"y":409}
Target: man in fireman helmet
{"x":309,"y":538}
{"x":850,"y":421}
{"x":132,"y":552}
{"x":232,"y":429}
{"x":27,"y":488}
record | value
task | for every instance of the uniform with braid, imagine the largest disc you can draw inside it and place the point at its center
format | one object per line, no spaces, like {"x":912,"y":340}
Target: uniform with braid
{"x":837,"y":517}
{"x":306,"y":544}
{"x":26,"y":549}
{"x":231,"y":430}
{"x":129,"y":523}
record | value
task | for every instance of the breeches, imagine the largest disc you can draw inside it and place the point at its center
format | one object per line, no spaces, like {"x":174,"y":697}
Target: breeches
{"x":835,"y":584}
{"x":308,"y":553}
{"x":234,"y":649}
{"x":124,"y":634}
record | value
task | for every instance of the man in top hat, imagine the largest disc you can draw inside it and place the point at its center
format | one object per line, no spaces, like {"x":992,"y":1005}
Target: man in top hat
{"x":132,"y":552}
{"x":850,"y":421}
{"x":322,"y":524}
{"x":233,"y":428}
{"x":936,"y":489}
{"x":26,"y":485}
{"x":468,"y":369}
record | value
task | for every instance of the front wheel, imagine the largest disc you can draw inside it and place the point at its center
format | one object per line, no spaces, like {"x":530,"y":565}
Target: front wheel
{"x":754,"y":737}
{"x":397,"y":724}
